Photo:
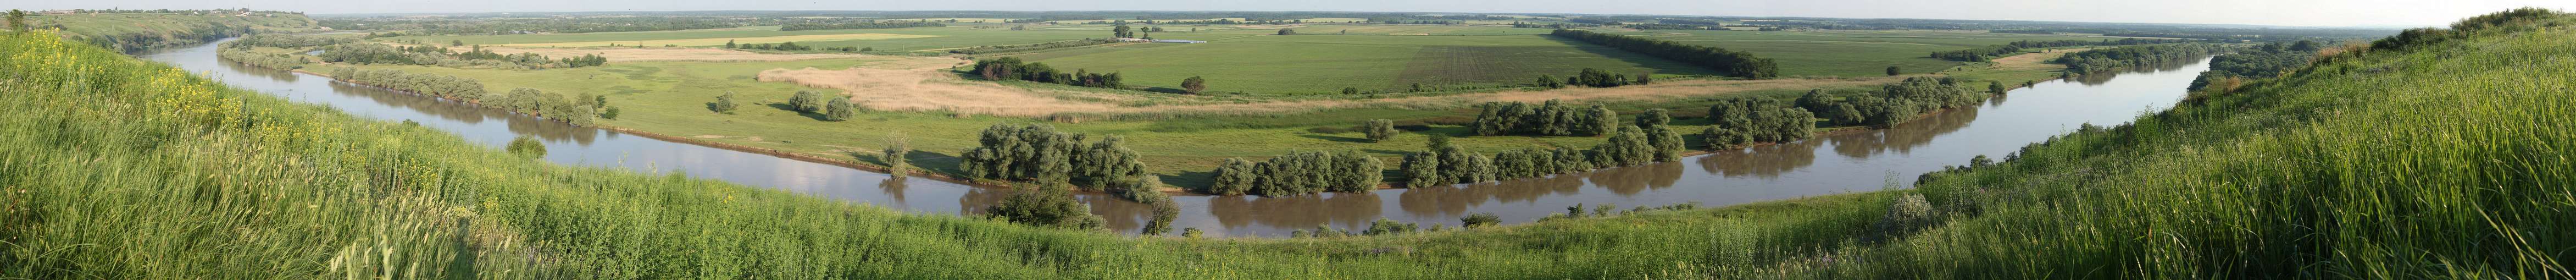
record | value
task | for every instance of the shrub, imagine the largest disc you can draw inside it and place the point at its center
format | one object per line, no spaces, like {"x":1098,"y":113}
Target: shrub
{"x":839,"y":109}
{"x":1053,"y":208}
{"x":724,"y":103}
{"x":897,"y":146}
{"x":1384,"y":226}
{"x":1379,"y":130}
{"x":527,"y":147}
{"x":1478,"y":220}
{"x":806,"y":101}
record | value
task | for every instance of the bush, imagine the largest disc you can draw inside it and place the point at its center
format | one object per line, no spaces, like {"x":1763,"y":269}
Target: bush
{"x":1384,"y":226}
{"x":527,"y":147}
{"x":1478,"y":220}
{"x":1045,"y":208}
{"x":1194,"y":84}
{"x":897,"y":146}
{"x":1379,"y":130}
{"x":806,"y":101}
{"x":839,"y":109}
{"x":724,"y":103}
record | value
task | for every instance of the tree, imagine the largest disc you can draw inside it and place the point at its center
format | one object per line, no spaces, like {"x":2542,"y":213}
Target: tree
{"x":1235,"y":177}
{"x":1667,"y":144}
{"x":1379,"y":130}
{"x":456,"y":43}
{"x":806,"y":101}
{"x":897,"y":147}
{"x":1892,"y":71}
{"x":1722,"y":138}
{"x":839,"y":109}
{"x":724,"y":103}
{"x":1998,"y":87}
{"x":1164,"y":212}
{"x":1054,"y":208}
{"x":1194,"y":84}
{"x":18,"y":20}
{"x":1422,"y":169}
{"x":1645,"y":78}
{"x":610,"y":114}
{"x":1654,"y":118}
{"x":1122,"y":31}
{"x":729,"y":43}
{"x":1478,"y":220}
{"x":1285,"y":31}
{"x":527,"y":147}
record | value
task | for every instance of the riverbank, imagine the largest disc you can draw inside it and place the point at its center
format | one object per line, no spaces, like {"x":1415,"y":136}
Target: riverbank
{"x":831,"y":153}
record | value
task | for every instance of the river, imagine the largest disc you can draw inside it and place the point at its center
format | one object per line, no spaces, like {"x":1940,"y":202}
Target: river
{"x":1842,"y":163}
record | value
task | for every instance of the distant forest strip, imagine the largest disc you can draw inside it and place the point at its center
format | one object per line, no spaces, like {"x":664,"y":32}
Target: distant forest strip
{"x":1031,"y":47}
{"x":2113,"y":59}
{"x":855,"y":25}
{"x":1730,"y":63}
{"x":524,"y":26}
{"x":1984,"y":53}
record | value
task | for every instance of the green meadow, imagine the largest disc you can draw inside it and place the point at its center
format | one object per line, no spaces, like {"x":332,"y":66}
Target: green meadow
{"x":1329,"y":63}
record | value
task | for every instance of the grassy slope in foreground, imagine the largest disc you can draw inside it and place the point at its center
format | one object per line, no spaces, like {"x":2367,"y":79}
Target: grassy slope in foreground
{"x":2442,"y":160}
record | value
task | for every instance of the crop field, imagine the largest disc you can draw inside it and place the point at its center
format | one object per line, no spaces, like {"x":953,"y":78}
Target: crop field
{"x":1328,"y":63}
{"x":721,"y":41}
{"x":1847,"y":53}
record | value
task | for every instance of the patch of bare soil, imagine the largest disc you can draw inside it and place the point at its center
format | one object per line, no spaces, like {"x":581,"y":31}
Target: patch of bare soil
{"x":663,"y":54}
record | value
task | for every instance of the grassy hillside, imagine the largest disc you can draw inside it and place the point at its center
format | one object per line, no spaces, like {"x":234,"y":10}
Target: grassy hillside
{"x":2444,"y":157}
{"x":139,"y":31}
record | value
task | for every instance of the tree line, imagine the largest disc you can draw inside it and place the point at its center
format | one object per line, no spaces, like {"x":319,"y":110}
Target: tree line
{"x":1731,"y":63}
{"x":2114,"y":59}
{"x":1591,"y":78}
{"x":1444,"y":163}
{"x":1893,"y":103}
{"x":1746,"y":120}
{"x":1031,"y":47}
{"x":1039,"y":154}
{"x":784,"y":46}
{"x":577,"y":111}
{"x":1010,"y":68}
{"x":243,"y":55}
{"x":1985,"y":53}
{"x":528,"y":25}
{"x":374,"y":53}
{"x":1297,"y":173}
{"x":863,"y":24}
{"x":2261,"y":61}
{"x":288,"y":41}
{"x":1549,"y":118}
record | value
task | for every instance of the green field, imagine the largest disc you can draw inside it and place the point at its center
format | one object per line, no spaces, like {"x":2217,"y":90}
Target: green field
{"x":1328,"y":63}
{"x":2435,"y":159}
{"x":950,"y":37}
{"x":1847,"y":53}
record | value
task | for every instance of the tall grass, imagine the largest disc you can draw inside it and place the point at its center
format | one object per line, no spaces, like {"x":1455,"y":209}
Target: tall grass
{"x":2446,"y":160}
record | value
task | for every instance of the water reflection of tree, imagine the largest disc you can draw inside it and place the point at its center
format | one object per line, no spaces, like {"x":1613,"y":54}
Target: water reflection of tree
{"x":894,"y":188}
{"x":1764,"y":161}
{"x":255,"y":71}
{"x":1905,"y":136}
{"x":1455,"y":200}
{"x":1342,"y":210}
{"x":1627,"y":181}
{"x":2098,"y":79}
{"x":1124,"y":216}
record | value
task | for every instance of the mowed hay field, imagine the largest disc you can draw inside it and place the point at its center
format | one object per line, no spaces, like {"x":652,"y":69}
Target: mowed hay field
{"x":1848,"y":53}
{"x":1328,"y":63}
{"x":892,"y":39}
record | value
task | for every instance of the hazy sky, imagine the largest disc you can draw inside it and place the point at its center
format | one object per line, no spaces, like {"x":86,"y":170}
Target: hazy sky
{"x":2262,"y":12}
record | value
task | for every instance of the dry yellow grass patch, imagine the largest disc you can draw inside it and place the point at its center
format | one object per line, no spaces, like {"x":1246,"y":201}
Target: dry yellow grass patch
{"x":740,"y":40}
{"x":665,"y":54}
{"x":2034,"y":61}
